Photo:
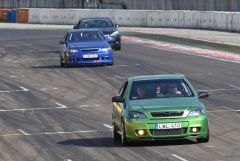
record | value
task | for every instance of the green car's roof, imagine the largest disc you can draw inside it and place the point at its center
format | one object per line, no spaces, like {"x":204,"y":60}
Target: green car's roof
{"x":153,"y":77}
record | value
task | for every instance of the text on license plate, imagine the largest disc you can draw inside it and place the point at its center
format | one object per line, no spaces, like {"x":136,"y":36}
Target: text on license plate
{"x":90,"y":56}
{"x":168,"y":126}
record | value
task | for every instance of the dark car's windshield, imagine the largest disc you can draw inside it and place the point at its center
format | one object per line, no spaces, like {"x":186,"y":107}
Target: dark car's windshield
{"x":97,"y":23}
{"x":164,"y":88}
{"x":85,"y":36}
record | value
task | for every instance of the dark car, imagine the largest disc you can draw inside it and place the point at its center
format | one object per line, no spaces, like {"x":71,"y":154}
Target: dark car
{"x":108,"y":28}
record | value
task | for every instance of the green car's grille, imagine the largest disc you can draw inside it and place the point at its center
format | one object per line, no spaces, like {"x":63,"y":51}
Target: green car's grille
{"x":168,"y":131}
{"x":167,"y":114}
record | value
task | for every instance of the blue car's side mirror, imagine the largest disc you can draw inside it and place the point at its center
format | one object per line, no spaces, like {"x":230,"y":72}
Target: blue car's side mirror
{"x":62,"y":42}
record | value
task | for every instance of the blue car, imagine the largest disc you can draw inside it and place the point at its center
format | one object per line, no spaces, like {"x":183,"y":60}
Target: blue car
{"x":85,"y":47}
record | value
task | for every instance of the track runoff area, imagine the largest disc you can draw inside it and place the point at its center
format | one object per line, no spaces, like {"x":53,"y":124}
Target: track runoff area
{"x":53,"y":113}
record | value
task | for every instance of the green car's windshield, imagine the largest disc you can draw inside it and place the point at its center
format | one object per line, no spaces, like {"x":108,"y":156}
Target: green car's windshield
{"x":165,"y":88}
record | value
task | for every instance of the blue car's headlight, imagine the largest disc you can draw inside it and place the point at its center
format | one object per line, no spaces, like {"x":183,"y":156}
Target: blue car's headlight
{"x":106,"y":49}
{"x":72,"y":50}
{"x":136,"y":115}
{"x":115,"y":33}
{"x":197,"y":112}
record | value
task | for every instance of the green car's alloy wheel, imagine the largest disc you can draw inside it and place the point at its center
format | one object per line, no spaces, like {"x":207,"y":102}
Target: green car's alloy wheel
{"x":124,"y":140}
{"x":204,"y":140}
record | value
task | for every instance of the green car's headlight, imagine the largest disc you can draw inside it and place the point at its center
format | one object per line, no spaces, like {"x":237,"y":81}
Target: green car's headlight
{"x":197,"y":112}
{"x":136,"y":115}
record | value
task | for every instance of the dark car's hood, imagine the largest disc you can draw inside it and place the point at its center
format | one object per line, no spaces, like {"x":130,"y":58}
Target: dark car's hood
{"x":108,"y":31}
{"x":171,"y":104}
{"x":89,"y":44}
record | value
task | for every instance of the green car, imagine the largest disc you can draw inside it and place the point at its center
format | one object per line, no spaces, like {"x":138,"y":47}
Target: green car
{"x":156,"y":107}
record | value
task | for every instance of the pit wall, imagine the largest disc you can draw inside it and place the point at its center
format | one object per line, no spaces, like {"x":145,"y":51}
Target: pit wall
{"x":213,"y":20}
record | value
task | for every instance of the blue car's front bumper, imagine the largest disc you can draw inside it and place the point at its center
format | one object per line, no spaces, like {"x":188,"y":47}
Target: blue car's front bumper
{"x":79,"y":59}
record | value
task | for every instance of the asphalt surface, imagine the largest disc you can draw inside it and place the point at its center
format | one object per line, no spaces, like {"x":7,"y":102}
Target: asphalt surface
{"x":48,"y":113}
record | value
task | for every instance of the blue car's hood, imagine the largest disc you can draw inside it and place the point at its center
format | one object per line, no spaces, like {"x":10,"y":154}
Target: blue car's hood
{"x":95,"y":44}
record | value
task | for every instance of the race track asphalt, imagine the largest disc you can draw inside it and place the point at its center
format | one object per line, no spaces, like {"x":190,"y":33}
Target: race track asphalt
{"x":49,"y":113}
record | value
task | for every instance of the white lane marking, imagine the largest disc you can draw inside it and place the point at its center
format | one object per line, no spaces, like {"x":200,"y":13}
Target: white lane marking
{"x":60,"y":106}
{"x":110,"y":127}
{"x":228,"y":108}
{"x":83,"y":106}
{"x":67,"y":160}
{"x":27,"y":44}
{"x":136,"y":65}
{"x":178,"y":157}
{"x":4,"y":91}
{"x":96,"y":105}
{"x":209,"y":146}
{"x":235,"y":87}
{"x":43,"y":89}
{"x":23,"y":132}
{"x":231,"y":109}
{"x":70,"y":132}
{"x":55,"y":88}
{"x":10,"y":45}
{"x":123,"y":65}
{"x":13,"y":76}
{"x":22,"y":90}
{"x":52,"y":133}
{"x":215,"y":90}
{"x":117,"y":76}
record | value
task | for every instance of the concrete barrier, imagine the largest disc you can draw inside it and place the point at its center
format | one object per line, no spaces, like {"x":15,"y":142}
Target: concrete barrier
{"x":213,"y":20}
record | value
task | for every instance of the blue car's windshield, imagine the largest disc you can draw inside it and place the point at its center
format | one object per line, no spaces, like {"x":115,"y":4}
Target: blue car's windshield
{"x":160,"y":89}
{"x":85,"y":36}
{"x":97,"y":23}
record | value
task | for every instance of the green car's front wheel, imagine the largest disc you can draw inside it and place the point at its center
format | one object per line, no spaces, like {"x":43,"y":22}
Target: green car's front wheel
{"x":124,"y":140}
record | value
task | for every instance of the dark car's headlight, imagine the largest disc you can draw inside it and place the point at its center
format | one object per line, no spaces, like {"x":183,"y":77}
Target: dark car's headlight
{"x":136,"y":115}
{"x":115,"y":33}
{"x":197,"y":112}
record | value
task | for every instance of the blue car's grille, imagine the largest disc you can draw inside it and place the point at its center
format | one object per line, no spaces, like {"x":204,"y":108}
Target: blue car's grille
{"x":168,"y":131}
{"x":89,"y":50}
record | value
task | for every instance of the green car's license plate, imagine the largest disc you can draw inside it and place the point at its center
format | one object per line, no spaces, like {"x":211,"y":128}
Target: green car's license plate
{"x":168,"y":126}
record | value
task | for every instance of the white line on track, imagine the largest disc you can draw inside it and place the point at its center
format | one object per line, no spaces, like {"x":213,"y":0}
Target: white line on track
{"x":5,"y":91}
{"x":83,"y":106}
{"x":22,"y":90}
{"x":96,"y":105}
{"x":23,"y":132}
{"x":178,"y":157}
{"x":215,"y":90}
{"x":235,"y":87}
{"x":108,"y":126}
{"x":60,"y":106}
{"x":117,"y":76}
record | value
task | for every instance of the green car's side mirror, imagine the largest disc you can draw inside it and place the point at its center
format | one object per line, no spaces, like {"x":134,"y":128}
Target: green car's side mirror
{"x":202,"y":95}
{"x":118,"y":99}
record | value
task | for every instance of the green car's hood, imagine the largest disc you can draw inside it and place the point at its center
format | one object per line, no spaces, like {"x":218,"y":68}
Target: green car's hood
{"x":164,"y":104}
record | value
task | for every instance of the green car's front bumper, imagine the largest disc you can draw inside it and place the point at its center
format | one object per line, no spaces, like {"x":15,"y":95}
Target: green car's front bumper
{"x":150,"y":132}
